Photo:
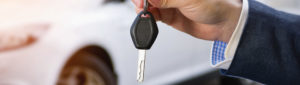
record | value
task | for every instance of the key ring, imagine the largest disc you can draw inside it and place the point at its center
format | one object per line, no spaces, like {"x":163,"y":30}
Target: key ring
{"x":146,"y":4}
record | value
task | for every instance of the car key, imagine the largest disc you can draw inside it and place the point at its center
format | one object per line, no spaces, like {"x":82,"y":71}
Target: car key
{"x":143,"y":33}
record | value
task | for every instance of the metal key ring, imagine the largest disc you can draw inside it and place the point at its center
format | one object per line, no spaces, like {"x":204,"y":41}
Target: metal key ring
{"x":146,"y":5}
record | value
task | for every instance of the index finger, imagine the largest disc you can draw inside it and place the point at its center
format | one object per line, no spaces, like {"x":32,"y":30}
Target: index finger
{"x":138,"y":3}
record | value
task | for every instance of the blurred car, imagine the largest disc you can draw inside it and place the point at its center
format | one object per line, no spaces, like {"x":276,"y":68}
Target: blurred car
{"x":89,"y":43}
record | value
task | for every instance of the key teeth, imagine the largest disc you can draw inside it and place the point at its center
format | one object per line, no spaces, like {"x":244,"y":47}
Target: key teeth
{"x":141,"y":65}
{"x":140,"y":81}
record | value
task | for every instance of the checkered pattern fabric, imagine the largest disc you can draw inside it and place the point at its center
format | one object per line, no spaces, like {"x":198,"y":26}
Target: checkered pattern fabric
{"x":218,"y":51}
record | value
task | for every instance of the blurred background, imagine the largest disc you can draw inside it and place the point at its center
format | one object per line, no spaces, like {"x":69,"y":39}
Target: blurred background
{"x":87,"y":42}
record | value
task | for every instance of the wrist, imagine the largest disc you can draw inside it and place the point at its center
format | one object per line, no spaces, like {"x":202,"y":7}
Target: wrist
{"x":231,"y":21}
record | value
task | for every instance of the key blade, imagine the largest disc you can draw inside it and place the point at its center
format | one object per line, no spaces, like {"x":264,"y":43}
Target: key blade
{"x":141,"y":66}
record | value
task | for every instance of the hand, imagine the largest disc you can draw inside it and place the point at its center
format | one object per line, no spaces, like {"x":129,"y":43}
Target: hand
{"x":204,"y":19}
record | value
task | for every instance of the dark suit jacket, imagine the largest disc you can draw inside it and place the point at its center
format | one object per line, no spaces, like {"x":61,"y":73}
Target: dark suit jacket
{"x":269,"y":49}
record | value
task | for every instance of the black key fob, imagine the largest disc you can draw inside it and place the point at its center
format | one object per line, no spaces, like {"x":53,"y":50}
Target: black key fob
{"x":144,"y":30}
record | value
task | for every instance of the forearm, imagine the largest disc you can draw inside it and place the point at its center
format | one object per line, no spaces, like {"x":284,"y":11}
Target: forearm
{"x":268,"y":51}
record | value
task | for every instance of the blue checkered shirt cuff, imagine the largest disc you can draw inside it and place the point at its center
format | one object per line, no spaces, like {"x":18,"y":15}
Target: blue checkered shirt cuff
{"x":218,"y":52}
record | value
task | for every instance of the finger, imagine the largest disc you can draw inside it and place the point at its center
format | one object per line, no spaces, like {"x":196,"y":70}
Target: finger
{"x":138,"y":10}
{"x":156,"y":13}
{"x":172,"y":3}
{"x":138,"y":3}
{"x":164,"y":3}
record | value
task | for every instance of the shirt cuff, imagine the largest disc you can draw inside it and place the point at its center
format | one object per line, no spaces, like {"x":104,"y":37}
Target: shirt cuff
{"x":221,"y":58}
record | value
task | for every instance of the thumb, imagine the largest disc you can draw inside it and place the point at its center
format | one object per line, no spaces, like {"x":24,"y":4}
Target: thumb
{"x":165,"y":3}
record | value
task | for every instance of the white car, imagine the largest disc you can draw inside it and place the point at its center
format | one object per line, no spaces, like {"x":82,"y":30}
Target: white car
{"x":89,"y":42}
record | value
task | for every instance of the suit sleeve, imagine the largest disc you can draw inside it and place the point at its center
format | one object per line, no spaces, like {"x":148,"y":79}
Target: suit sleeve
{"x":269,"y":49}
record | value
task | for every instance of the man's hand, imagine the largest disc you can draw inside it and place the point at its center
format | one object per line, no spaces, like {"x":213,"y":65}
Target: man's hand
{"x":204,"y":19}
